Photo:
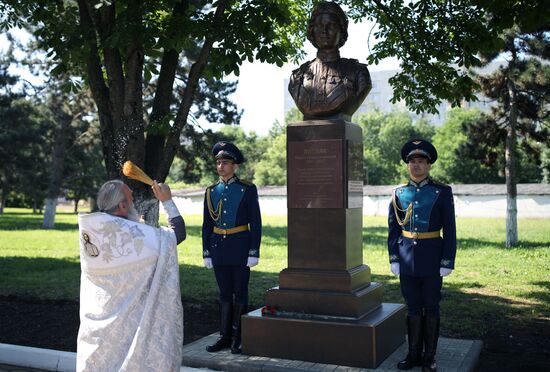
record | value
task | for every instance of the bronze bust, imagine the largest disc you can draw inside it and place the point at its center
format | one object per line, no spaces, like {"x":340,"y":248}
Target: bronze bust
{"x":329,"y":87}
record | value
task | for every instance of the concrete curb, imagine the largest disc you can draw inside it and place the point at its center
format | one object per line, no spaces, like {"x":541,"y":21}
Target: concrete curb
{"x":470,"y":362}
{"x":46,"y":359}
{"x":49,"y":360}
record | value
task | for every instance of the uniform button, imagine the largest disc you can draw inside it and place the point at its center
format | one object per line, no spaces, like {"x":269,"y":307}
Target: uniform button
{"x":224,"y":211}
{"x":437,"y":191}
{"x":416,"y":202}
{"x":226,"y":187}
{"x":224,"y":236}
{"x":416,"y":228}
{"x":242,"y":190}
{"x":224,"y":224}
{"x":224,"y":199}
{"x":417,"y":189}
{"x":416,"y":215}
{"x":414,"y":242}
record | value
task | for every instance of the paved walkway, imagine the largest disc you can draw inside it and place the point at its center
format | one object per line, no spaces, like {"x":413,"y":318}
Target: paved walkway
{"x":453,"y":355}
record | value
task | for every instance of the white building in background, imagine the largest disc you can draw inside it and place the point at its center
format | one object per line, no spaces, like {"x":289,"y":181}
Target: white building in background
{"x":479,"y":200}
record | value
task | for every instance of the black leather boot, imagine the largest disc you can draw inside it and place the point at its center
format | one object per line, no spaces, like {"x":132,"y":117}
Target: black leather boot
{"x":431,"y":335}
{"x":414,"y":332}
{"x":238,"y":311}
{"x":225,"y":328}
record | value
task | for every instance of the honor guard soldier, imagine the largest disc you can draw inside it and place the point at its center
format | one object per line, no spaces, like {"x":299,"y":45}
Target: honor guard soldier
{"x":231,"y":235}
{"x":419,"y":254}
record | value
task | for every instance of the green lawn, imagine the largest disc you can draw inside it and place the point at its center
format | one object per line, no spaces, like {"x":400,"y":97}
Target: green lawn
{"x":493,"y":289}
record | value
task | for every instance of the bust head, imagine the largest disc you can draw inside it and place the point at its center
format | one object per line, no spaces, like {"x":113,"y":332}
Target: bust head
{"x":328,"y":26}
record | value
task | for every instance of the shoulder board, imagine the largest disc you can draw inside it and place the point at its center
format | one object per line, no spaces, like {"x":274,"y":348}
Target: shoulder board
{"x":246,"y":182}
{"x":212,"y":185}
{"x":399,"y":186}
{"x":439,"y":183}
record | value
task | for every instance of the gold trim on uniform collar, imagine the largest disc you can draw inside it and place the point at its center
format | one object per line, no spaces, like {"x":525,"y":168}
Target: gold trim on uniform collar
{"x":229,"y":181}
{"x":424,"y":182}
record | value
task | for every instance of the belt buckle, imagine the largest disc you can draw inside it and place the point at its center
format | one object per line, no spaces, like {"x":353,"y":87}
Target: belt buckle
{"x":415,"y":235}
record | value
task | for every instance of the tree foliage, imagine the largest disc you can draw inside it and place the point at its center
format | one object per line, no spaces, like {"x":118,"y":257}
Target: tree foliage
{"x":383,"y":136}
{"x":133,"y":53}
{"x":454,"y":164}
{"x":521,"y":89}
{"x":85,"y":170}
{"x":22,"y":145}
{"x":438,"y":41}
{"x":271,"y":168}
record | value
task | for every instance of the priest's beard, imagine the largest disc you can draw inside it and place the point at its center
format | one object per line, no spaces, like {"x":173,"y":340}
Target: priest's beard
{"x":133,"y":214}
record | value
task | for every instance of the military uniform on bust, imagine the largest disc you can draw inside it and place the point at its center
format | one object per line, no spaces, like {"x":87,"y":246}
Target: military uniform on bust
{"x":231,"y":234}
{"x":329,"y":86}
{"x":419,"y":211}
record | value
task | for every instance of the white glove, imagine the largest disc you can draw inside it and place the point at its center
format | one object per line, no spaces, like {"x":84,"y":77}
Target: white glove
{"x":443,"y":271}
{"x":252,"y":261}
{"x":208,"y":263}
{"x":170,"y":208}
{"x":394,"y":267}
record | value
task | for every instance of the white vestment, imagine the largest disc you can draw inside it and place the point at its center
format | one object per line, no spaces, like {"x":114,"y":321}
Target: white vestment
{"x":131,"y":317}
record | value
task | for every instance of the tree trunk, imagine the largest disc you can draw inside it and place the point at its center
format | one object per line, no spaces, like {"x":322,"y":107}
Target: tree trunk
{"x":48,"y":221}
{"x":75,"y":210}
{"x":58,"y":162}
{"x":117,"y":88}
{"x":148,"y":207}
{"x":93,"y":204}
{"x":2,"y":200}
{"x":510,"y":170}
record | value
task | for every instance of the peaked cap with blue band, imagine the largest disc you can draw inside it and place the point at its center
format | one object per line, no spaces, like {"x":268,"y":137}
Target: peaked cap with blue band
{"x":227,"y":150}
{"x":418,"y":147}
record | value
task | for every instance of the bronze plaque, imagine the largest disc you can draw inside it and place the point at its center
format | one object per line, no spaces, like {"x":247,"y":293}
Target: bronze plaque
{"x":315,"y":174}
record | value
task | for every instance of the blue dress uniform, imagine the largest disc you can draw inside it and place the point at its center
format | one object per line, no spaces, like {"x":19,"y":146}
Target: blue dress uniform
{"x":231,"y":234}
{"x":422,"y":239}
{"x":234,"y":206}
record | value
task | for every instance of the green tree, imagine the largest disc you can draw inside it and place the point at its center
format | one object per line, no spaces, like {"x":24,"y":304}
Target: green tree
{"x":85,"y":170}
{"x":522,"y":90}
{"x":438,"y":41}
{"x":117,"y":45}
{"x":195,"y":164}
{"x":454,"y":165}
{"x":383,"y":136}
{"x":129,"y":51}
{"x":69,"y":112}
{"x":271,"y":169}
{"x":23,"y":142}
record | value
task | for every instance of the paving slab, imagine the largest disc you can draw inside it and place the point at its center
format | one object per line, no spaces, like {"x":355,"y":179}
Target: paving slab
{"x":453,"y":355}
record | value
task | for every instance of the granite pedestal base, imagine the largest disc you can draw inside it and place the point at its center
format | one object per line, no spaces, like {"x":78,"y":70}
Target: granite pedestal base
{"x":357,"y":343}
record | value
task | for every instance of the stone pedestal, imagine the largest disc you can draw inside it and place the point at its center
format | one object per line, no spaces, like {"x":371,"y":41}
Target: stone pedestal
{"x":327,"y":309}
